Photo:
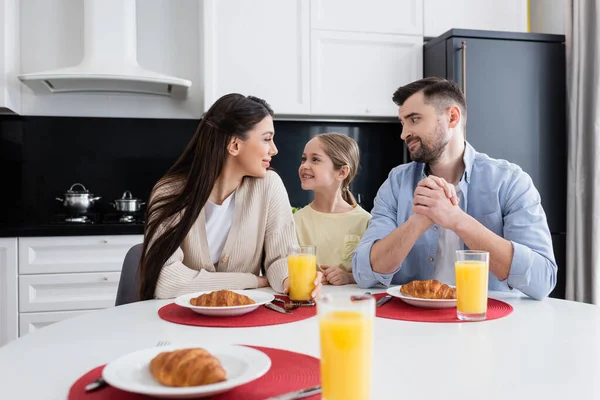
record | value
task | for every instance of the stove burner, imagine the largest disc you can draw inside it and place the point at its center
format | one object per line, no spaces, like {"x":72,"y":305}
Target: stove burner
{"x":91,"y":218}
{"x":79,"y":220}
{"x":127,"y":218}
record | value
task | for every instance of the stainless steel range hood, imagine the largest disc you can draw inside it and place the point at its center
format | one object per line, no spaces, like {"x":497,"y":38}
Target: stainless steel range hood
{"x":109,"y":63}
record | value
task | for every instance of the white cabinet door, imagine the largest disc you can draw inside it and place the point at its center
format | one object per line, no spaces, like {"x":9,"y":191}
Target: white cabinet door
{"x":29,"y":322}
{"x":374,"y":16}
{"x":9,"y":312}
{"x":355,"y":74}
{"x":495,"y":15}
{"x":258,"y":48}
{"x":46,"y":255}
{"x":10,"y":61}
{"x":62,"y":292}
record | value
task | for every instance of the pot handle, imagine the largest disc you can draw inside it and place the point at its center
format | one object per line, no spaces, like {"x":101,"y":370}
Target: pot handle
{"x":127,"y":195}
{"x":75,"y":184}
{"x":142,"y":203}
{"x":95,"y":198}
{"x":59,"y":199}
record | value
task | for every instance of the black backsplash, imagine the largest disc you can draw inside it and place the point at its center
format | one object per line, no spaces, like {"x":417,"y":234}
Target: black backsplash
{"x":41,"y":157}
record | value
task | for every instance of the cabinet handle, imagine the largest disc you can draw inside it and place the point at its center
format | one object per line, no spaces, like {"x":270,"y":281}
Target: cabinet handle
{"x":463,"y":48}
{"x":104,"y":241}
{"x":105,"y":278}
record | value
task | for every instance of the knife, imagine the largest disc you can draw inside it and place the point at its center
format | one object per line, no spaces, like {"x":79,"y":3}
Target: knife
{"x":97,"y":384}
{"x":309,"y":303}
{"x":383,"y":300}
{"x":273,"y":307}
{"x":298,"y":394}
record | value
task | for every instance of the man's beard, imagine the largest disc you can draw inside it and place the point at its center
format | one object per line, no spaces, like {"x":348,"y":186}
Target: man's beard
{"x":429,"y":154}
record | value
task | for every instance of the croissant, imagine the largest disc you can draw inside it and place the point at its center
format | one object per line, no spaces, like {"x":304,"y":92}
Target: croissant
{"x":221,"y":298}
{"x":187,"y":367}
{"x":430,"y":289}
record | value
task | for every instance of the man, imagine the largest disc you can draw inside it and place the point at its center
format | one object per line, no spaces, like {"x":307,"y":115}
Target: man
{"x":449,"y":198}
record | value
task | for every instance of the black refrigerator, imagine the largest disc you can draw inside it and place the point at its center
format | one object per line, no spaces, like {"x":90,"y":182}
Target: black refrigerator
{"x":515,"y":85}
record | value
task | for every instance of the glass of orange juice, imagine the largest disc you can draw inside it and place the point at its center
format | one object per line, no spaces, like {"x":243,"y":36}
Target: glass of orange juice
{"x":471,"y":268}
{"x":346,"y":331}
{"x":302,"y":272}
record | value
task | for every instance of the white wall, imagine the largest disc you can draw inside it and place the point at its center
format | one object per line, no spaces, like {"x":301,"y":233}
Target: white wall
{"x":548,"y":16}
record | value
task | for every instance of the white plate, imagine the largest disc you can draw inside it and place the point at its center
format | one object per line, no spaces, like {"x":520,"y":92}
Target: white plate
{"x":259,"y":297}
{"x":424,"y":303}
{"x":132,"y":371}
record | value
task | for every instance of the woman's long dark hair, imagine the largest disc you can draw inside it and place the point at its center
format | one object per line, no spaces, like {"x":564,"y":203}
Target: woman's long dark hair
{"x":180,"y":195}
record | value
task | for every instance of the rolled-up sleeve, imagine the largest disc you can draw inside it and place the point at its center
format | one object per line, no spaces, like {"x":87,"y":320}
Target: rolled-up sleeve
{"x":533,"y":268}
{"x":383,"y":222}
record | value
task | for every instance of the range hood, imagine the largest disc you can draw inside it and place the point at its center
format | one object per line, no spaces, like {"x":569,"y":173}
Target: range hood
{"x":109,"y":62}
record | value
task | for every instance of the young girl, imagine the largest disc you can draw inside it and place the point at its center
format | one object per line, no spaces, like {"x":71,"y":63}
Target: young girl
{"x":219,"y":215}
{"x":333,"y":221}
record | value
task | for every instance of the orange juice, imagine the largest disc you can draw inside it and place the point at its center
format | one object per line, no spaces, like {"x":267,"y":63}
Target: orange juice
{"x":302,"y":272}
{"x":346,"y":352}
{"x":471,"y":286}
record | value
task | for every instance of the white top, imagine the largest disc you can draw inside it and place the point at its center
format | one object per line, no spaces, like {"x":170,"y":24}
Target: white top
{"x":544,"y":350}
{"x":448,"y":243}
{"x":218,"y":223}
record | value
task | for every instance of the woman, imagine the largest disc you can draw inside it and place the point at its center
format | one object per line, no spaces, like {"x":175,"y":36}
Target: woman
{"x":219,"y":215}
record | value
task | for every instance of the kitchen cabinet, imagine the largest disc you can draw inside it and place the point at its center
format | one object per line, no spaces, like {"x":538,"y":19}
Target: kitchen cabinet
{"x":63,"y":292}
{"x":8,"y":290}
{"x":332,"y":59}
{"x":262,"y":48}
{"x":402,"y":17}
{"x":355,"y":74}
{"x":496,"y":15}
{"x":62,"y":277}
{"x":49,"y":255}
{"x":10,"y":87}
{"x":30,"y":322}
{"x":258,"y":48}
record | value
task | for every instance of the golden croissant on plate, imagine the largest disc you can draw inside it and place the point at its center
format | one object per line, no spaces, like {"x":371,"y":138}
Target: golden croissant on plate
{"x":187,"y":367}
{"x":221,"y":298}
{"x":429,"y":289}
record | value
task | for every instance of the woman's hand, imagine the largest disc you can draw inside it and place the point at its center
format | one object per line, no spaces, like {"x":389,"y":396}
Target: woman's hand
{"x":286,"y":285}
{"x":262,"y":281}
{"x":318,"y":284}
{"x":337,"y":276}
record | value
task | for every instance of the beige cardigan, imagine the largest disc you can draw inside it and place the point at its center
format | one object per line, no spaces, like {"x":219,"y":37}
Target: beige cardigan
{"x":261,"y":234}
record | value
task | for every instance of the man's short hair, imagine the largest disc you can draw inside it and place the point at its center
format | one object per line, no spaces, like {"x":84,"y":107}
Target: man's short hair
{"x":439,"y":92}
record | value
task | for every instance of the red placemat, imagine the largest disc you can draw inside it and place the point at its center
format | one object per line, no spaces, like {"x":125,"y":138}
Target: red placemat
{"x":262,"y":316}
{"x":397,"y":309}
{"x":289,"y":371}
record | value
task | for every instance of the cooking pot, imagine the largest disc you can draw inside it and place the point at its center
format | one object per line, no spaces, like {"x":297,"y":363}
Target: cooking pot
{"x":77,"y":201}
{"x":127,"y":203}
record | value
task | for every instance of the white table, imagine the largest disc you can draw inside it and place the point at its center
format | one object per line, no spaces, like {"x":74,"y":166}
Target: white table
{"x":543,"y":350}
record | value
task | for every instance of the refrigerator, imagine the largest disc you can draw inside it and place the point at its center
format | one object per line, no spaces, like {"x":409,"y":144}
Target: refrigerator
{"x":515,"y":86}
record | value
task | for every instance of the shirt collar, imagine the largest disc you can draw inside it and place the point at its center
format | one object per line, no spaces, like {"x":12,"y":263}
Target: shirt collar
{"x":468,"y":159}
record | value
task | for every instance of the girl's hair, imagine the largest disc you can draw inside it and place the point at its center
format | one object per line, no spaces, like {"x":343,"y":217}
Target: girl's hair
{"x":343,"y":151}
{"x":179,"y":196}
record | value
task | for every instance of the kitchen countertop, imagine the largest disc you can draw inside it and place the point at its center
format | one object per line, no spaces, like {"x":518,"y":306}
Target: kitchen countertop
{"x":64,"y":229}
